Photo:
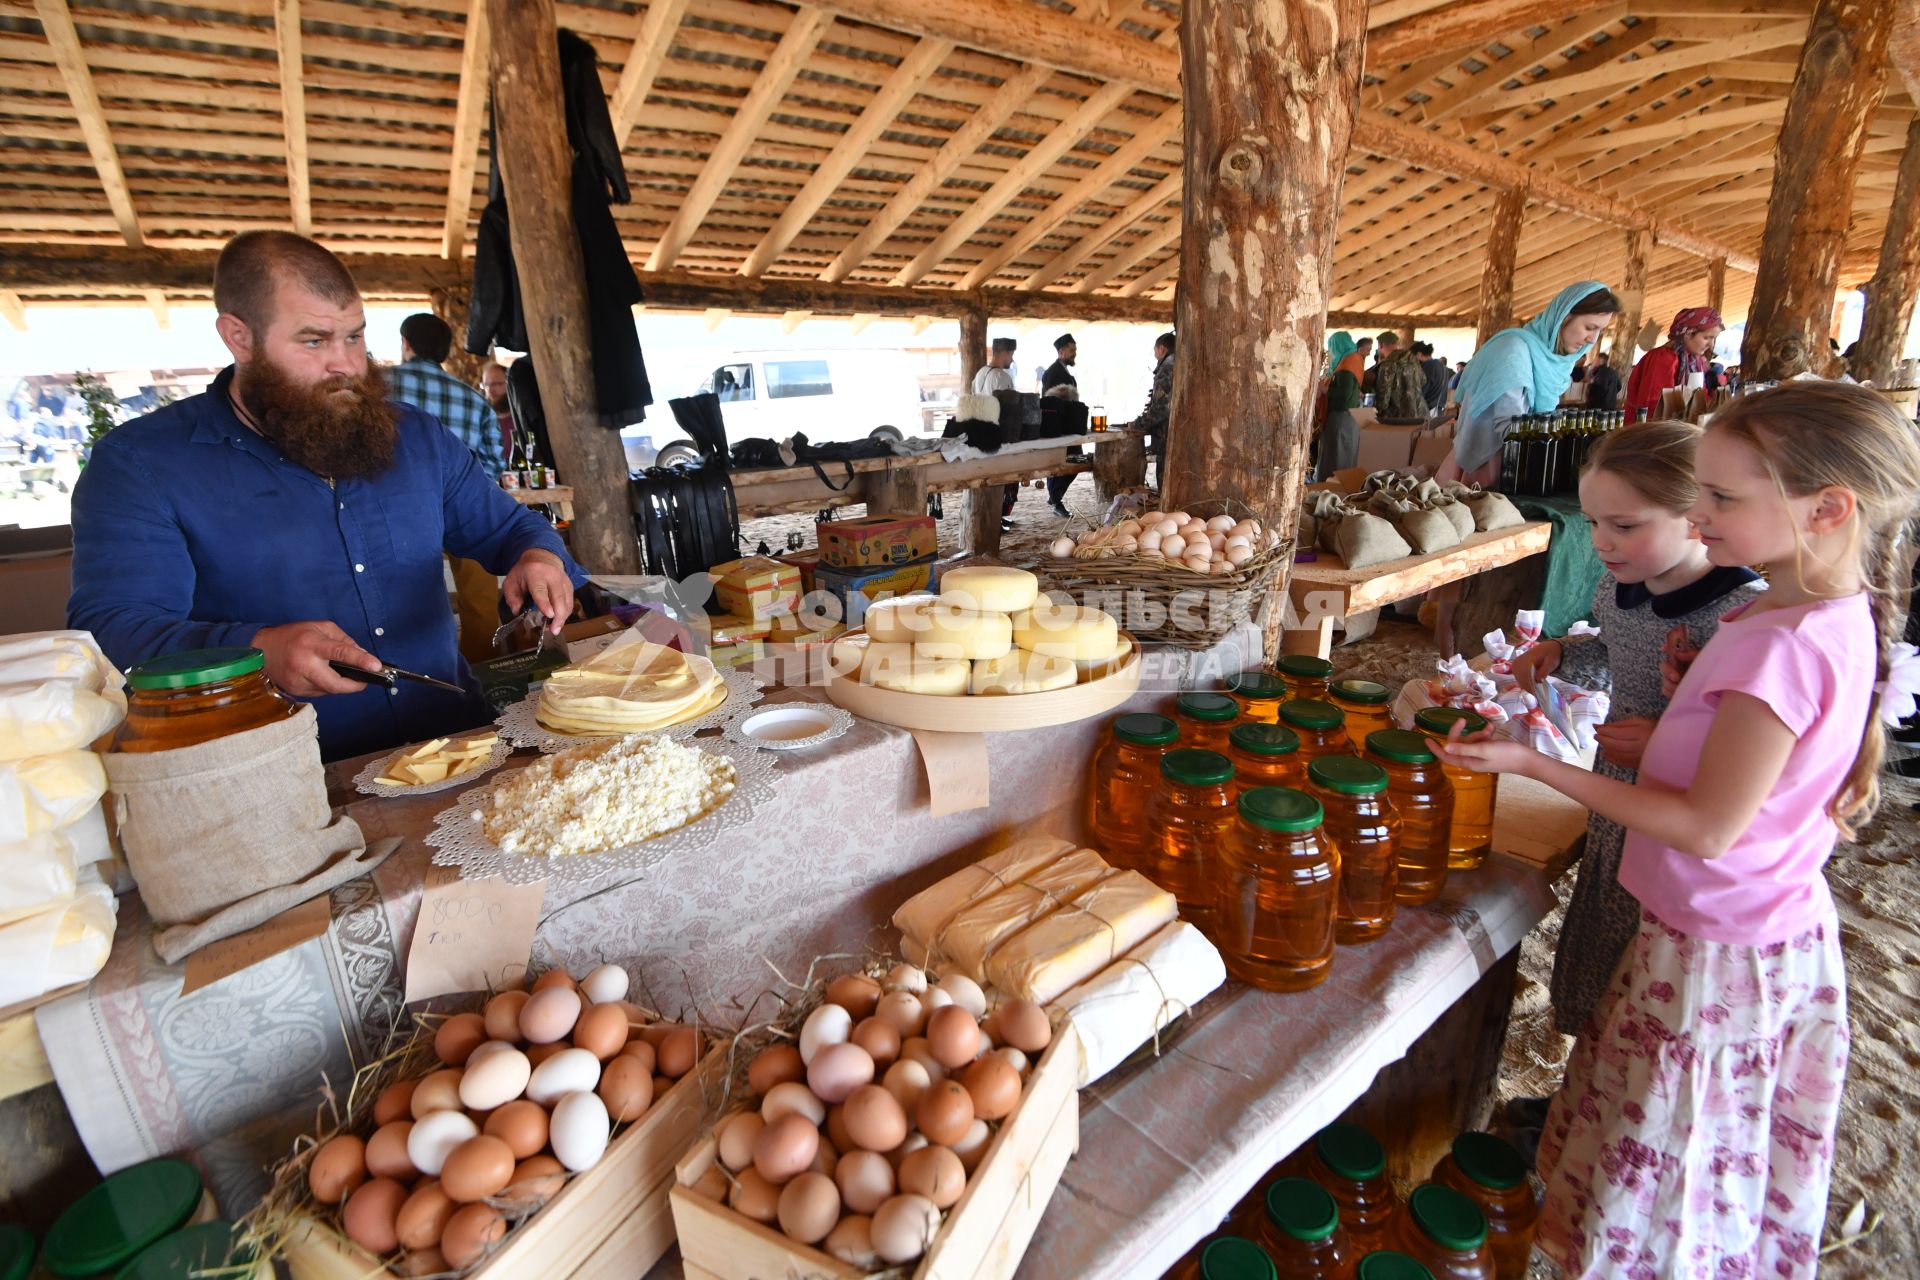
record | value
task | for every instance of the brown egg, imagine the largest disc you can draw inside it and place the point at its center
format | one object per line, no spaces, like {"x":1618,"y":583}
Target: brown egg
{"x":387,"y":1151}
{"x":601,"y":1031}
{"x":994,"y":1086}
{"x":502,"y":1016}
{"x":440,"y":1091}
{"x":522,"y":1125}
{"x":458,"y":1037}
{"x":837,"y":1128}
{"x":905,"y":1010}
{"x":470,"y":1233}
{"x":678,"y":1052}
{"x":369,"y":1216}
{"x":954,"y":1036}
{"x":539,"y":1053}
{"x":636,"y":1016}
{"x":808,"y":1208}
{"x":626,"y":1086}
{"x":423,"y":1262}
{"x":424,"y":1216}
{"x":660,"y":1086}
{"x":852,"y":1242}
{"x":904,"y":1227}
{"x":934,"y":1172}
{"x":735,"y":1137}
{"x":775,"y":1064}
{"x":875,"y":1120}
{"x":555,"y":978}
{"x":879,"y":1038}
{"x":640,"y":1051}
{"x":826,"y":1159}
{"x":337,"y":1169}
{"x":916,"y":1049}
{"x":856,"y":993}
{"x":1023,"y":1024}
{"x":754,"y":1197}
{"x":654,"y":1032}
{"x":945,"y":1111}
{"x":549,"y":1015}
{"x":915,"y":1142}
{"x":477,"y":1168}
{"x":865,"y":1179}
{"x":907,"y":1082}
{"x":711,"y":1185}
{"x":972,"y":1147}
{"x":395,"y":1102}
{"x":535,"y":1179}
{"x":785,"y":1148}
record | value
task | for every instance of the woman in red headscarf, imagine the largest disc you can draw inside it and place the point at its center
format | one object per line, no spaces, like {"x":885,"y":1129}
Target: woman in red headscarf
{"x":1689,"y":342}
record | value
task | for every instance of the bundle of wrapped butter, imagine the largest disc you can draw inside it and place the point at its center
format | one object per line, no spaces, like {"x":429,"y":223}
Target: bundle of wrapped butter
{"x":921,"y":918}
{"x":1066,"y":947}
{"x":1133,"y":999}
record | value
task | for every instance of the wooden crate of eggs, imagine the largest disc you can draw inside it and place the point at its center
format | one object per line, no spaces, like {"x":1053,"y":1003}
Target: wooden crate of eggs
{"x":537,"y":1137}
{"x":906,"y":1127}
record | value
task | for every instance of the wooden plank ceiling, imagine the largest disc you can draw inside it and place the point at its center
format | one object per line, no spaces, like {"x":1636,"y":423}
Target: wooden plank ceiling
{"x":764,"y":139}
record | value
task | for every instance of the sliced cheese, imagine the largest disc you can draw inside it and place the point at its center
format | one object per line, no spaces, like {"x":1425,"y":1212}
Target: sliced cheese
{"x":1066,"y":631}
{"x":921,"y":917}
{"x":1063,"y":949}
{"x":1022,"y":672}
{"x":989,"y":588}
{"x":970,"y":938}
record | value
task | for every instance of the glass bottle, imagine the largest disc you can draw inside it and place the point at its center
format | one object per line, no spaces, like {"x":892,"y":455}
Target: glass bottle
{"x":1259,"y":694}
{"x":1446,"y":1232}
{"x":1423,"y":797}
{"x":184,"y":699}
{"x":1362,"y":824}
{"x":1493,"y":1175}
{"x":1265,"y":755}
{"x":1306,"y":676}
{"x":1298,"y":1224}
{"x":1386,"y":1264}
{"x":1228,"y":1258}
{"x":1474,"y":793}
{"x":1277,"y":884}
{"x":1204,"y":719}
{"x":1189,"y":815}
{"x":1126,"y":770}
{"x":1350,"y":1163}
{"x":1321,"y":726}
{"x":1365,"y":705}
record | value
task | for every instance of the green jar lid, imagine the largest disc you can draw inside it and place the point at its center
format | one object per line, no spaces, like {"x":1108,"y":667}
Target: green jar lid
{"x":196,"y":666}
{"x":1350,"y":1151}
{"x":1302,"y":1209}
{"x":1304,"y":667}
{"x":1385,"y":1264}
{"x":1235,"y":1258}
{"x":1450,"y":1219}
{"x":1208,"y":706}
{"x":1402,"y":746}
{"x":1489,"y":1161}
{"x":1441,"y":720}
{"x":1311,"y":713}
{"x":1348,"y":775}
{"x":193,"y":1252}
{"x":1354,"y":689}
{"x":109,"y":1226}
{"x":1256,"y":684}
{"x":1145,"y":730}
{"x":1281,"y":809}
{"x":1257,"y":739}
{"x":1191,"y":767}
{"x":16,"y":1252}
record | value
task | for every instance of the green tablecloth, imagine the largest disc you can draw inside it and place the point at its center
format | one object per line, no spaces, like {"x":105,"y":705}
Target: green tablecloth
{"x":1573,"y":569}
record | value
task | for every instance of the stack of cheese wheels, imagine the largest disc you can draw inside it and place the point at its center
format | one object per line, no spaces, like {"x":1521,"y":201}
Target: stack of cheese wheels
{"x":988,"y":632}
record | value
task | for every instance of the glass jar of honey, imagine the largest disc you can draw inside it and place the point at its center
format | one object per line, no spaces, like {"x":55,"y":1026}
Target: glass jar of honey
{"x":1265,"y":755}
{"x":1386,"y":1264}
{"x":1228,"y":1258}
{"x":1278,"y":881}
{"x":1493,"y":1175}
{"x":1365,"y":703}
{"x":1259,"y":694}
{"x":1350,"y":1163}
{"x":185,"y":699}
{"x":1306,"y":676}
{"x":1189,"y":816}
{"x":1363,"y":827}
{"x":1423,"y":798}
{"x":1205,"y":719}
{"x":1474,"y":793}
{"x":1445,"y":1232}
{"x":1321,"y":726}
{"x":1298,"y":1224}
{"x":1126,"y":770}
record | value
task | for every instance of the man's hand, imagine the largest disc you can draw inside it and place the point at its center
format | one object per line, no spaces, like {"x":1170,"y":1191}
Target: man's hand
{"x":1623,"y":742}
{"x":1536,"y":664}
{"x":298,"y":654}
{"x":539,"y":576}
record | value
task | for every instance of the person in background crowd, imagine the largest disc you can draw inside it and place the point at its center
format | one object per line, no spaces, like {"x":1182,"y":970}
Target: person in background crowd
{"x":493,"y":385}
{"x":1361,"y":350}
{"x":1689,"y":339}
{"x":1058,"y":380}
{"x":1400,"y":384}
{"x":997,"y":375}
{"x":1386,"y":345}
{"x":1153,"y":419}
{"x":1603,"y":384}
{"x":1340,"y":436}
{"x":1435,"y":369}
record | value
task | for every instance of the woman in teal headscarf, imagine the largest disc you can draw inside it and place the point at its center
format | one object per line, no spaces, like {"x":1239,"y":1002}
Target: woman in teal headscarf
{"x":1521,"y":371}
{"x":1340,"y":436}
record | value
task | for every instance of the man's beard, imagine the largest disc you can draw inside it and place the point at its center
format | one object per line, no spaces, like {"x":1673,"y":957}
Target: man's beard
{"x":340,"y":428}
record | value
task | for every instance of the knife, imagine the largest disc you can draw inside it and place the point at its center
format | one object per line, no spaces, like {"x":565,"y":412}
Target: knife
{"x":389,"y":676}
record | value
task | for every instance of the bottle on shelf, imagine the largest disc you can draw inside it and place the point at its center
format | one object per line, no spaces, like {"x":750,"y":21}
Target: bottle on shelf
{"x":1298,"y":1224}
{"x":1493,"y":1175}
{"x":1322,"y":728}
{"x":1363,"y":826}
{"x":1276,"y":889}
{"x":1420,"y":791}
{"x":1190,"y":813}
{"x":1474,"y":793}
{"x":1364,"y":703}
{"x":1351,"y":1164}
{"x":1445,"y":1232}
{"x":1205,"y":720}
{"x":1305,"y":675}
{"x":1259,"y":694}
{"x":1125,"y":772}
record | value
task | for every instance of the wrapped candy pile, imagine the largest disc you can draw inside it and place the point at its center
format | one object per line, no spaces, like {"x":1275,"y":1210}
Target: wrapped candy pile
{"x":1563,"y":729}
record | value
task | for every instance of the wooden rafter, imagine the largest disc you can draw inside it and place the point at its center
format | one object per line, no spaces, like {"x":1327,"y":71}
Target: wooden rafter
{"x":1669,"y":61}
{"x":1142,"y":206}
{"x":157,"y":303}
{"x":293,"y":111}
{"x":1551,"y":50}
{"x":1467,"y":25}
{"x":13,"y":310}
{"x":468,"y":113}
{"x":1687,"y":122}
{"x":642,"y":67}
{"x":57,"y":23}
{"x":1127,"y":260}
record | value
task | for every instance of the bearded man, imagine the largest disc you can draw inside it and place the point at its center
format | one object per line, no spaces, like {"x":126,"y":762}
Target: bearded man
{"x":293,"y":508}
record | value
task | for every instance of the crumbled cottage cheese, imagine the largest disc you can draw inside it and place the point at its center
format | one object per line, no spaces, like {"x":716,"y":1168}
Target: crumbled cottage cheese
{"x":604,"y":796}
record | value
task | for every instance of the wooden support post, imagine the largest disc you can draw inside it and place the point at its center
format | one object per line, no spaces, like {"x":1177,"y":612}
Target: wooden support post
{"x":1118,"y":467}
{"x":536,"y":163}
{"x":1836,"y":90}
{"x":981,"y":532}
{"x":1889,"y":317}
{"x":1717,"y":284}
{"x":897,"y":491}
{"x":450,"y":304}
{"x":1633,"y":300}
{"x":1496,"y":278}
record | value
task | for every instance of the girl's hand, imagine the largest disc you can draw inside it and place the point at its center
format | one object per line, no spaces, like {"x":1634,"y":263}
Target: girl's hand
{"x":1537,"y":663}
{"x":1484,"y":755}
{"x":1676,"y":655}
{"x":1623,"y":742}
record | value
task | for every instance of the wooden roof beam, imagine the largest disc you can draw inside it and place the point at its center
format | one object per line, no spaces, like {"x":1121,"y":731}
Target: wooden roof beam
{"x":293,"y":111}
{"x":1668,"y":61}
{"x":1142,"y":206}
{"x":1468,"y":24}
{"x":467,"y":115}
{"x":1693,"y":118}
{"x":1551,"y":49}
{"x":57,"y":23}
{"x":1128,"y":259}
{"x":649,"y":52}
{"x":13,"y":310}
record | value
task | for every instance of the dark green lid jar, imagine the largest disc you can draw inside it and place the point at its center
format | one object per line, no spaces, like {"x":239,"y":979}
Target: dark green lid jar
{"x":1192,"y":767}
{"x":1210,"y":708}
{"x":1259,"y":685}
{"x":1385,"y":1264}
{"x":196,"y":667}
{"x":1348,"y":775}
{"x":1311,"y":713}
{"x":1146,"y":730}
{"x":16,"y":1252}
{"x":1350,"y":1152}
{"x":1302,"y":1209}
{"x":211,"y":1247}
{"x":1402,"y":746}
{"x":1440,"y":720}
{"x":1489,"y":1161}
{"x":110,"y":1225}
{"x":1302,"y":666}
{"x":1260,"y":739}
{"x":1448,"y":1218}
{"x":1235,"y":1258}
{"x":1366,"y":692}
{"x":1280,"y":809}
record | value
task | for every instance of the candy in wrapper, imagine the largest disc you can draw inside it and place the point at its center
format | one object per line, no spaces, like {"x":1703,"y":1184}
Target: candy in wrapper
{"x":1526,"y":625}
{"x":1459,"y":680}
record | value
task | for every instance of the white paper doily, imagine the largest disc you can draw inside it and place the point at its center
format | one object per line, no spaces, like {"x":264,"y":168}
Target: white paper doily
{"x":458,"y":840}
{"x":519,"y":724}
{"x":364,"y":781}
{"x":837,"y":721}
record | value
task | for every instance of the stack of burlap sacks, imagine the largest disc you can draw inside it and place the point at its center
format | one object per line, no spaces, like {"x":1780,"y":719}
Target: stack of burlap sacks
{"x":1397,"y":515}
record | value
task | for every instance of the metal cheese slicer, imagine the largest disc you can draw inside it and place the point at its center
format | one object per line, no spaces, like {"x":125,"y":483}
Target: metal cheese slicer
{"x":529,"y":616}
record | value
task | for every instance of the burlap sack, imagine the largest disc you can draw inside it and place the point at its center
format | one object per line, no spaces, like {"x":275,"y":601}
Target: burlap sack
{"x":1458,"y":515}
{"x":1364,"y":540}
{"x":228,"y":834}
{"x":1427,"y":531}
{"x":1494,"y":511}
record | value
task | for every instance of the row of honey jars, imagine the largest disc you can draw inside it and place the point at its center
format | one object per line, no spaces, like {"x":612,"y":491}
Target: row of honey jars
{"x":1124,"y":776}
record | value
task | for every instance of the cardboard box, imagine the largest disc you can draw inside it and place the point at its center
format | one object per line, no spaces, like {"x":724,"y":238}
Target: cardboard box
{"x":806,"y":562}
{"x":739,"y":654}
{"x":855,"y":589}
{"x":876,"y":540}
{"x":756,"y":587}
{"x":726,"y":628}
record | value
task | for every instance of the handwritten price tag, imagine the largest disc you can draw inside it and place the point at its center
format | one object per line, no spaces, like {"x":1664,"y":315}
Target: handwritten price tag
{"x":472,"y":935}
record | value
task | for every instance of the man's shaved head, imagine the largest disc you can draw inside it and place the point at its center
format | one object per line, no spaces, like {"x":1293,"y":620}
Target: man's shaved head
{"x":253,"y":263}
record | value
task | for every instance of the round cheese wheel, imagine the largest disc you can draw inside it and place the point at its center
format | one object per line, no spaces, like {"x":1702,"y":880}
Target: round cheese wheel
{"x":989,"y":588}
{"x":888,"y":621}
{"x":1090,"y":668}
{"x":900,"y":668}
{"x":1066,"y":631}
{"x":944,"y":630}
{"x":1022,"y":672}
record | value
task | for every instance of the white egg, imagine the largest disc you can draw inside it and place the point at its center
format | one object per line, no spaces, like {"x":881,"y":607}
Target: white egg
{"x":965,"y":992}
{"x":829,"y":1024}
{"x":1061,"y":548}
{"x":1149,"y":541}
{"x":1129,"y":526}
{"x":1237,"y":556}
{"x":606,"y":984}
{"x":495,"y":1080}
{"x":578,"y":1130}
{"x":905,"y":977}
{"x":1238,"y":540}
{"x":789,"y":1097}
{"x":487,"y":1050}
{"x":936,"y":998}
{"x":1219,"y":566}
{"x":1148,"y":518}
{"x":1216,"y":540}
{"x":1173,"y":545}
{"x":1167,"y":526}
{"x":433,"y":1138}
{"x":1220,"y":524}
{"x":1241,"y":530}
{"x":1179,"y":517}
{"x":568,"y":1071}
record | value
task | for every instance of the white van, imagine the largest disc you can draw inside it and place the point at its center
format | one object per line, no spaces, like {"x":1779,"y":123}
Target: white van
{"x":827,"y":395}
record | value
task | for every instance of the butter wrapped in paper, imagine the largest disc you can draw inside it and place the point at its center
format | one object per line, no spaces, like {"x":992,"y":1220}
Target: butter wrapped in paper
{"x":1134,"y":998}
{"x":40,"y":793}
{"x":921,"y":917}
{"x":58,"y":692}
{"x":36,"y":874}
{"x":1061,"y":950}
{"x":65,"y":944}
{"x":968,"y":940}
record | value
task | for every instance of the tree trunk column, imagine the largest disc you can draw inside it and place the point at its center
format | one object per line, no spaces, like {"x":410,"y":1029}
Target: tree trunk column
{"x":1633,"y":300}
{"x":1717,"y":286}
{"x":1890,"y":298}
{"x":450,"y":304}
{"x":535,"y":160}
{"x":1496,"y":278}
{"x":1835,"y":92}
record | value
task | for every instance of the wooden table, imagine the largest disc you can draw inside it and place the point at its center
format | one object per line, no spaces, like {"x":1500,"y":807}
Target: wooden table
{"x":1323,"y":591}
{"x":557,"y":495}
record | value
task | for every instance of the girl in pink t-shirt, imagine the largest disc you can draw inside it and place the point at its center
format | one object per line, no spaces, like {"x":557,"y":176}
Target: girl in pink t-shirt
{"x":1694,"y":1134}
